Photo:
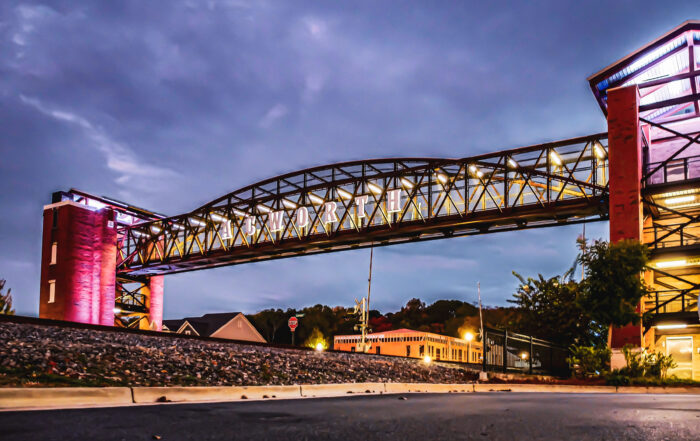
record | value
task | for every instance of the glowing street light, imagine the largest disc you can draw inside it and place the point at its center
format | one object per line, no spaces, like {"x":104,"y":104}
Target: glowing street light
{"x":556,"y":159}
{"x":406,"y":183}
{"x":523,"y":355}
{"x":442,"y":178}
{"x":598,"y":150}
{"x":217,"y":217}
{"x":512,"y":163}
{"x":315,"y":199}
{"x":427,"y":359}
{"x":319,"y":347}
{"x":468,"y":336}
{"x":374,"y":188}
{"x":344,"y":194}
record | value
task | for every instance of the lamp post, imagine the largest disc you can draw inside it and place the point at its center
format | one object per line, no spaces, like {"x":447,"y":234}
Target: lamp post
{"x":469,"y":337}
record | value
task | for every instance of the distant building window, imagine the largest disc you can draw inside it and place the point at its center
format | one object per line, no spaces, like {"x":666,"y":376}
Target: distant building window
{"x":188,"y":332}
{"x":52,"y":291}
{"x":54,"y":253}
{"x":240,"y":324}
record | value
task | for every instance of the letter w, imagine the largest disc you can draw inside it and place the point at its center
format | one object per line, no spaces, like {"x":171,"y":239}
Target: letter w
{"x":276,"y":218}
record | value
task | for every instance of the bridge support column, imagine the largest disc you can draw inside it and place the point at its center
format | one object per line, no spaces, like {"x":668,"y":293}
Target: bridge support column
{"x":78,"y":264}
{"x":625,"y":161}
{"x":155,"y":300}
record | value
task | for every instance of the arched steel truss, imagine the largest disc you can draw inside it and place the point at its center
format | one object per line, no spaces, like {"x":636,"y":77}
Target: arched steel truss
{"x":404,"y":199}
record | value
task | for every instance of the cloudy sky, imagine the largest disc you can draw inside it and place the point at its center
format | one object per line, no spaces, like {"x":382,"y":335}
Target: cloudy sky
{"x":168,"y":105}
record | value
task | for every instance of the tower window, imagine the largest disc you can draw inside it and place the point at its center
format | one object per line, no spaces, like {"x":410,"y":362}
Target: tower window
{"x":54,"y":253}
{"x":52,"y":291}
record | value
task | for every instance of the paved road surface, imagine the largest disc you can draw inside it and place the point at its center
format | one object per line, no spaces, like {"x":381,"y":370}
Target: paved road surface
{"x":495,"y":416}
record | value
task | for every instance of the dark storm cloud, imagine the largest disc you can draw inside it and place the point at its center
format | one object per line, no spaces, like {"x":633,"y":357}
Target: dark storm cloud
{"x":168,"y":105}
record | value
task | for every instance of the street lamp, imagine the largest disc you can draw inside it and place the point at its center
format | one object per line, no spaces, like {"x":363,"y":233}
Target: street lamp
{"x":469,"y":337}
{"x":427,"y":359}
{"x":319,"y":347}
{"x":523,"y":356}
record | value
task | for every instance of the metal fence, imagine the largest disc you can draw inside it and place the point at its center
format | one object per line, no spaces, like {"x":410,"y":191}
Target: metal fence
{"x":523,"y":353}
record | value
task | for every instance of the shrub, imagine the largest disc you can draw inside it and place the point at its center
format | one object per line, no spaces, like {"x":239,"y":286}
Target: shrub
{"x":615,"y":378}
{"x":589,"y":361}
{"x":646,"y":364}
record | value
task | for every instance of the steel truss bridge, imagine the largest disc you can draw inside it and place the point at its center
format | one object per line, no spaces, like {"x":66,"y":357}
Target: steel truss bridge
{"x":377,"y":202}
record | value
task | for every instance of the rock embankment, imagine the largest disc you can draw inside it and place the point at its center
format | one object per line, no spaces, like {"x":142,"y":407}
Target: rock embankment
{"x":60,"y":356}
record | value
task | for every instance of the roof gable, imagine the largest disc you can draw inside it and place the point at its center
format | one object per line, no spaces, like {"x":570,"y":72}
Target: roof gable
{"x":666,"y":72}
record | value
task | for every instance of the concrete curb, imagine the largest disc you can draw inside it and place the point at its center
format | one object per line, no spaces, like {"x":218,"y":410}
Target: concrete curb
{"x":214,"y":393}
{"x":546,"y":388}
{"x":12,"y":398}
{"x":57,"y":398}
{"x":341,"y":389}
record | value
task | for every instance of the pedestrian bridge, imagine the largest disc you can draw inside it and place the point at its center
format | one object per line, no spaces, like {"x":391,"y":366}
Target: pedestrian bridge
{"x":377,"y":202}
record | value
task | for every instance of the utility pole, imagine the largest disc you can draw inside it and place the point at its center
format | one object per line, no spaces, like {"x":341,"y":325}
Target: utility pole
{"x":362,"y":309}
{"x":482,"y":375}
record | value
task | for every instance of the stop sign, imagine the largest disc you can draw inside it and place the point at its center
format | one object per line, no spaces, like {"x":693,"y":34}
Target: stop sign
{"x":293,"y":323}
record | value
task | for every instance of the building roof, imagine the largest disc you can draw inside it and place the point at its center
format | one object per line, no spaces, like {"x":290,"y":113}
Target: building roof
{"x":400,"y":331}
{"x":666,"y":71}
{"x":173,"y":325}
{"x":205,"y":325}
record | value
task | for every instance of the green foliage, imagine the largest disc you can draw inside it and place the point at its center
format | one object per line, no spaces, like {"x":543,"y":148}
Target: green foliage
{"x":589,"y":361}
{"x":615,"y":378}
{"x":646,"y":364}
{"x":613,"y":287}
{"x":5,"y":300}
{"x":551,"y":309}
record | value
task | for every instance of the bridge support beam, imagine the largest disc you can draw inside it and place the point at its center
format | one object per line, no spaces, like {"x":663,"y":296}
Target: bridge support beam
{"x":625,"y":161}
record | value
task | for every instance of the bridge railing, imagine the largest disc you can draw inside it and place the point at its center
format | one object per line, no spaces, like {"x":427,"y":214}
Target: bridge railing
{"x":682,"y":169}
{"x":677,"y":234}
{"x":672,"y":301}
{"x":360,"y":203}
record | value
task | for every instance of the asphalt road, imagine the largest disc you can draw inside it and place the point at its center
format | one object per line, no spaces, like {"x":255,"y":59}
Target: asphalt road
{"x":493,"y":416}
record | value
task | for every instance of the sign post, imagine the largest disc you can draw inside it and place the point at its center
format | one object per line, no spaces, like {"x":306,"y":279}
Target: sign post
{"x":293,"y":322}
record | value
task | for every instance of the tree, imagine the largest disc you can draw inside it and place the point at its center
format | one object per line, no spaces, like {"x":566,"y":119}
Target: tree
{"x":613,"y":286}
{"x":551,"y":309}
{"x":269,"y":321}
{"x":5,"y":300}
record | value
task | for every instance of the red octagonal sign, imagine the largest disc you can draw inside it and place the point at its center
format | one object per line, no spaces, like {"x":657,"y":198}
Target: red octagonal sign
{"x":293,"y":323}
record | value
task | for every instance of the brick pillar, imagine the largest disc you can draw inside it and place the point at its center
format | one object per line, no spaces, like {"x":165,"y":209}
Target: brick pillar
{"x":625,"y":160}
{"x":82,"y":237}
{"x":155,"y":300}
{"x":107,"y":248}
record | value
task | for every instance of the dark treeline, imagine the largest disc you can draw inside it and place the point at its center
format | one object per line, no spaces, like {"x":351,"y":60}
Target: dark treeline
{"x":447,"y":317}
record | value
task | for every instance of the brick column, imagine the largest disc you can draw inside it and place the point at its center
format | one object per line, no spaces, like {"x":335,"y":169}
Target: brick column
{"x":155,"y":300}
{"x":85,"y":268}
{"x":625,"y":160}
